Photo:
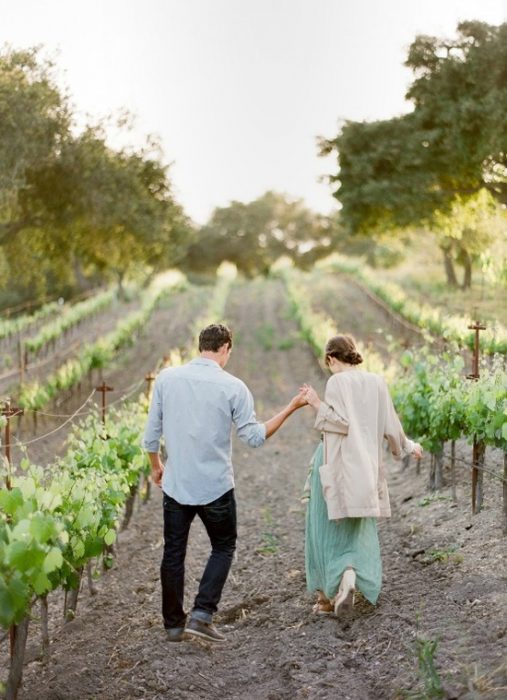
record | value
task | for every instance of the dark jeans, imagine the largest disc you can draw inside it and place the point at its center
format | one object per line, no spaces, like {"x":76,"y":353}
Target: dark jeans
{"x":219,"y":519}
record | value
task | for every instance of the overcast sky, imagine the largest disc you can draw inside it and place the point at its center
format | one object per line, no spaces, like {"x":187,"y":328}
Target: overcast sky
{"x":237,"y":90}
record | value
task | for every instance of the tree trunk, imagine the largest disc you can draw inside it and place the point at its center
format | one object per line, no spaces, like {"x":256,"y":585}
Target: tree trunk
{"x":121,"y":289}
{"x":436,"y":480}
{"x":467,"y":266}
{"x":129,"y":507}
{"x":71,"y":598}
{"x":478,"y":476}
{"x":453,"y":471}
{"x":89,"y":576}
{"x":18,"y":655}
{"x":450,"y":272}
{"x":44,"y":628}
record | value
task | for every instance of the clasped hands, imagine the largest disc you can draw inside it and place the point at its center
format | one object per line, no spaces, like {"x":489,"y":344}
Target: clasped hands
{"x":307,"y":396}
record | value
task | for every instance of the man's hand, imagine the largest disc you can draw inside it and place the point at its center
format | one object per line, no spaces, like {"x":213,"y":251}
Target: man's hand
{"x":299,"y":400}
{"x":157,"y":468}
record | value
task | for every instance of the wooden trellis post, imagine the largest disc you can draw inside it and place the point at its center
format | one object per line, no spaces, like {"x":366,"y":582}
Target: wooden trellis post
{"x":478,"y":446}
{"x":149,"y":378}
{"x":103,"y":388}
{"x":9,"y":412}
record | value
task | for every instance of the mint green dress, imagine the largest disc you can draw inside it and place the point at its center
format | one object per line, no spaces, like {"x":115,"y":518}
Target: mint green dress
{"x":333,"y":545}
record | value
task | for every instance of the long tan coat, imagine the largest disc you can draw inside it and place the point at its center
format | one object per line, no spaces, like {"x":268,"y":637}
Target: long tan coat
{"x":356,"y":415}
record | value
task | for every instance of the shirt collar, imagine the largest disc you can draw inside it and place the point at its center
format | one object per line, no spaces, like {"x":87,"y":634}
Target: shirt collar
{"x":205,"y":361}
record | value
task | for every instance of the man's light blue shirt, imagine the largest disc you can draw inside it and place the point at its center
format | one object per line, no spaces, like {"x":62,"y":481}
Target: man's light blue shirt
{"x":194,"y":407}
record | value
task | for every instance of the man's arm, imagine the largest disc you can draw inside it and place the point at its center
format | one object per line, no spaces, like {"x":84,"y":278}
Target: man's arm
{"x":152,"y":434}
{"x":157,"y":468}
{"x":249,"y":429}
{"x":277,"y":421}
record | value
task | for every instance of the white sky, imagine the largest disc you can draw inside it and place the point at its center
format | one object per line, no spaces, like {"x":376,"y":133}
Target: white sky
{"x":237,"y":90}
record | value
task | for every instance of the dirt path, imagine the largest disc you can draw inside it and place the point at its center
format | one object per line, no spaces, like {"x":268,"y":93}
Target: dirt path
{"x":276,"y":648}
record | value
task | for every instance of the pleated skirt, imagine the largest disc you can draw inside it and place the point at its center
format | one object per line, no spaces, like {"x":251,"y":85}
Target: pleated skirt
{"x":333,"y":545}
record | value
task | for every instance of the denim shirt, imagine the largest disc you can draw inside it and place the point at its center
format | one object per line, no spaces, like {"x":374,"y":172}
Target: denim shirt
{"x":194,"y":407}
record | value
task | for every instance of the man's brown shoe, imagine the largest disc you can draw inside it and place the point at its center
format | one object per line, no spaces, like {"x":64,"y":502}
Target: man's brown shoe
{"x":204,"y":630}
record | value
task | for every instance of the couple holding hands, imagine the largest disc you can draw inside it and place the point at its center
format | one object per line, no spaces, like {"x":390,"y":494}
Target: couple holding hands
{"x":194,"y":408}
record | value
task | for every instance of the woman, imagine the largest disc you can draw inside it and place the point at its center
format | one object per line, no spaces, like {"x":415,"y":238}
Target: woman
{"x":348,"y":489}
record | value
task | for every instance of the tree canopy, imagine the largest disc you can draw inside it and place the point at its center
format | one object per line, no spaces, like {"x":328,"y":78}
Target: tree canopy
{"x":70,"y":203}
{"x":420,"y":168}
{"x":254,"y":235}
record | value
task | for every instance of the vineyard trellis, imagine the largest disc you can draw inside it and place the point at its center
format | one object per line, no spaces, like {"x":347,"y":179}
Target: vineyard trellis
{"x":423,"y":318}
{"x":436,"y":403}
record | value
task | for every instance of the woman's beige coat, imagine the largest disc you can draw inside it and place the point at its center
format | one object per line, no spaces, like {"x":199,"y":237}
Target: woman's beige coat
{"x":356,"y":415}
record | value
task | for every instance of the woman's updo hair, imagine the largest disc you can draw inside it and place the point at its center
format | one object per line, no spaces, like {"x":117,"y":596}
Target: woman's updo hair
{"x":343,"y":347}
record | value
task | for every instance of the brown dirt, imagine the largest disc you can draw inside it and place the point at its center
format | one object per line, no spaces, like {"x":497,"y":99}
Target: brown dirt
{"x":276,"y":648}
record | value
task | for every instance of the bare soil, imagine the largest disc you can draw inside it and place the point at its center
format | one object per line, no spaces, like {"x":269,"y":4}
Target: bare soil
{"x":276,"y":648}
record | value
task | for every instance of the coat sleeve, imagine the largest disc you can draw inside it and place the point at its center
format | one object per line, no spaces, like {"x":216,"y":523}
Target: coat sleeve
{"x":398,"y":442}
{"x":329,"y":419}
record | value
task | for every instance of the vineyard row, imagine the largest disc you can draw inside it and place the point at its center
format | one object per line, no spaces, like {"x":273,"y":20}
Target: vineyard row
{"x":424,"y":316}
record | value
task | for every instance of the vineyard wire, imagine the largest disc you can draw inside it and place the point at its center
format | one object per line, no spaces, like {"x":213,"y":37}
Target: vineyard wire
{"x":470,"y":465}
{"x":128,"y":391}
{"x":40,"y":363}
{"x":55,"y":430}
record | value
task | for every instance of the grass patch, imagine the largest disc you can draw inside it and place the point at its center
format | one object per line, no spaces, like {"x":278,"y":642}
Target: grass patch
{"x":427,"y":500}
{"x":446,"y":555}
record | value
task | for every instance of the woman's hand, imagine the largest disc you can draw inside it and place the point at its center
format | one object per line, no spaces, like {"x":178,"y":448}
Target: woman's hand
{"x":417,"y":451}
{"x":311,"y":396}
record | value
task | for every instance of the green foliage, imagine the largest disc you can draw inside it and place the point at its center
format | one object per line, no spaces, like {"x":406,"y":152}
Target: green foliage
{"x":254,"y":235}
{"x":71,"y":207}
{"x":426,"y":650}
{"x":434,"y":166}
{"x":11,"y":326}
{"x":69,"y":318}
{"x":52,"y":522}
{"x":436,"y":403}
{"x":97,"y":355}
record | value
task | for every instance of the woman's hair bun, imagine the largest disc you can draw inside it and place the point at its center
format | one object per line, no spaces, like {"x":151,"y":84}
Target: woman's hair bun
{"x":343,"y":347}
{"x":353,"y":358}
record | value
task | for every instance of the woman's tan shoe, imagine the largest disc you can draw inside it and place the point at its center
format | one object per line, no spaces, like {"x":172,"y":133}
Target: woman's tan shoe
{"x":323,"y":608}
{"x":344,"y":599}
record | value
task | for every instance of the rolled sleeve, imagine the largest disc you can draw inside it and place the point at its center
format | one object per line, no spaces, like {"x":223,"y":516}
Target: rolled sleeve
{"x":153,"y":428}
{"x":327,"y":420}
{"x":248,"y":428}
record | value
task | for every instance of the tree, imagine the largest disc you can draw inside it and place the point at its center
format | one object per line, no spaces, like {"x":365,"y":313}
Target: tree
{"x":255,"y":234}
{"x":34,"y":120}
{"x":420,"y":168}
{"x":69,"y":203}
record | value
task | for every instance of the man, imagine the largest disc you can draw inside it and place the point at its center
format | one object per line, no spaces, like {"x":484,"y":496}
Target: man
{"x":194,"y":407}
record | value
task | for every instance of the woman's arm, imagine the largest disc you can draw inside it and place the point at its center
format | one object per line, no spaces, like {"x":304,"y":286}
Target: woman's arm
{"x":326,"y":419}
{"x":399,"y":444}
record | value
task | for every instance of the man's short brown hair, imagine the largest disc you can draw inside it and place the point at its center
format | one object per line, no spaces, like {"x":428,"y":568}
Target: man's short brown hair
{"x":213,"y":337}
